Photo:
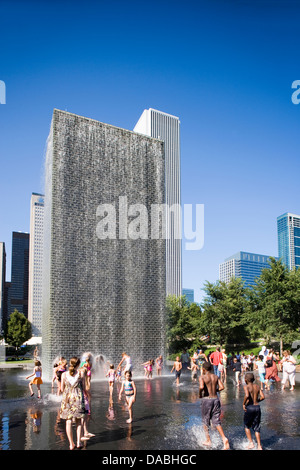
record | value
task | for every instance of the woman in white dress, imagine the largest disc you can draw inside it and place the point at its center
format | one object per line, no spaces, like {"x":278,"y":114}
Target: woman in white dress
{"x":288,"y":369}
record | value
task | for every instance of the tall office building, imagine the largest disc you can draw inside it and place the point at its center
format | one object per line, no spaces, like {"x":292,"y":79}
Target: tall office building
{"x":103,"y":283}
{"x":288,"y":232}
{"x":247,"y":266}
{"x":189,"y":294}
{"x":36,"y":263}
{"x":2,"y":284}
{"x":167,"y":128}
{"x":19,"y":273}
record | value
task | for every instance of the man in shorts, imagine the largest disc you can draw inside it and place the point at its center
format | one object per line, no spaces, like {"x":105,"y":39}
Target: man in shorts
{"x":209,"y":385}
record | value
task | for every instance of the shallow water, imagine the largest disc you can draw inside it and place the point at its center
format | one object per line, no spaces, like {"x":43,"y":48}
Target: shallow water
{"x":166,"y":417}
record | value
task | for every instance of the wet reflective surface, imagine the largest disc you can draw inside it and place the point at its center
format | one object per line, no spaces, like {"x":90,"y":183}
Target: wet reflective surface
{"x":166,"y":417}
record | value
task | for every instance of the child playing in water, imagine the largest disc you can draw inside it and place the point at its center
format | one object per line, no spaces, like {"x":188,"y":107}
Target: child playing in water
{"x":148,"y":366}
{"x":260,"y":366}
{"x":59,"y":371}
{"x":252,"y":416}
{"x":111,"y":374}
{"x":177,"y":366}
{"x":159,"y":365}
{"x":37,"y":373}
{"x":237,"y":371}
{"x":209,"y":386}
{"x":130,"y":393}
{"x":194,"y":368}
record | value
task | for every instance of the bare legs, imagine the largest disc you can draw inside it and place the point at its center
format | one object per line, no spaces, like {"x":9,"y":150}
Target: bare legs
{"x":251,"y":443}
{"x":70,"y":433}
{"x":221,"y":432}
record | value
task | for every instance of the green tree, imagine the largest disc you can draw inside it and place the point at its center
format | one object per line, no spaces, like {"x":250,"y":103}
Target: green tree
{"x":18,"y":329}
{"x":224,"y":310}
{"x":276,"y":303}
{"x":182,"y":323}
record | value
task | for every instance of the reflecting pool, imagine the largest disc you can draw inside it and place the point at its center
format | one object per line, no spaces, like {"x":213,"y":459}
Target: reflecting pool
{"x":166,"y":417}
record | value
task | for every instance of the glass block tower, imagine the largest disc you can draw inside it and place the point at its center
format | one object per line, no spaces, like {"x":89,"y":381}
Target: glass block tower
{"x":167,"y":128}
{"x":288,"y":232}
{"x":105,"y":295}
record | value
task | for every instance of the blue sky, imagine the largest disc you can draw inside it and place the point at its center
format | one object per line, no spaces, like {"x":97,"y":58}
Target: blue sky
{"x":225,"y":68}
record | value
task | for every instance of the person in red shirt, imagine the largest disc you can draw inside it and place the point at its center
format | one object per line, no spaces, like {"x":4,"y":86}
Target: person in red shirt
{"x":215,"y":359}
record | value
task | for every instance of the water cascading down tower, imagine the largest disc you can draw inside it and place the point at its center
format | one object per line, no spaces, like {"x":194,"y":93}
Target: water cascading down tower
{"x":104,"y":273}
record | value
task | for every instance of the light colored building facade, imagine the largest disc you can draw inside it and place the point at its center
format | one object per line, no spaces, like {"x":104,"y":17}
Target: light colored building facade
{"x":288,"y":232}
{"x":166,"y":127}
{"x":36,"y":263}
{"x":244,"y":265}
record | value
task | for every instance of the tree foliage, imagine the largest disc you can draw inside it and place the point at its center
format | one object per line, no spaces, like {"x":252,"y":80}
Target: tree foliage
{"x":224,"y":310}
{"x":233,"y":314}
{"x":276,"y":303}
{"x":18,"y":329}
{"x":182,"y":321}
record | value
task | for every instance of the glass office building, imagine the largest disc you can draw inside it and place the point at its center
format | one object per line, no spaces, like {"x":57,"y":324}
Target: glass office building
{"x":247,"y":266}
{"x":288,"y":232}
{"x":189,"y":294}
{"x":19,"y":273}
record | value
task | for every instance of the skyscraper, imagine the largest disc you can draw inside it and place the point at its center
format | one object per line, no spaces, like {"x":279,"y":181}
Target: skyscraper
{"x":103,"y":291}
{"x":189,"y":294}
{"x":247,"y":266}
{"x":288,"y":232}
{"x":36,"y":262}
{"x":19,"y":272}
{"x":2,"y":284}
{"x":167,"y":128}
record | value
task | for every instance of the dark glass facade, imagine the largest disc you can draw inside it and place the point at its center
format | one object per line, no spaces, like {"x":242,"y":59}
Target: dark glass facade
{"x":19,"y":273}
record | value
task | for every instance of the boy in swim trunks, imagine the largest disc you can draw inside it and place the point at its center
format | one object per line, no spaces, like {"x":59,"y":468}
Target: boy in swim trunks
{"x":252,"y":416}
{"x":177,"y":367}
{"x":209,"y":385}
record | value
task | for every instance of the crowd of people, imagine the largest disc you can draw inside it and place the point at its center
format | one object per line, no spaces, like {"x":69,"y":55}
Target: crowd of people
{"x":73,"y":382}
{"x":213,"y":368}
{"x":267,"y":363}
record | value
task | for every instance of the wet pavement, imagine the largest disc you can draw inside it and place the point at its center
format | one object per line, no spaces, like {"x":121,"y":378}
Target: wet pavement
{"x":166,"y":417}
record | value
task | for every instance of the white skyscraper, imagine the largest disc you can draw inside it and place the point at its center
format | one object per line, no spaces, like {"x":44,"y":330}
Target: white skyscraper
{"x":35,"y":262}
{"x":167,"y":128}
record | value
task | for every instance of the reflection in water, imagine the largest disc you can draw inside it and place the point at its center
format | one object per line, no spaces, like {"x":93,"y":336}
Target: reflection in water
{"x":166,"y":416}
